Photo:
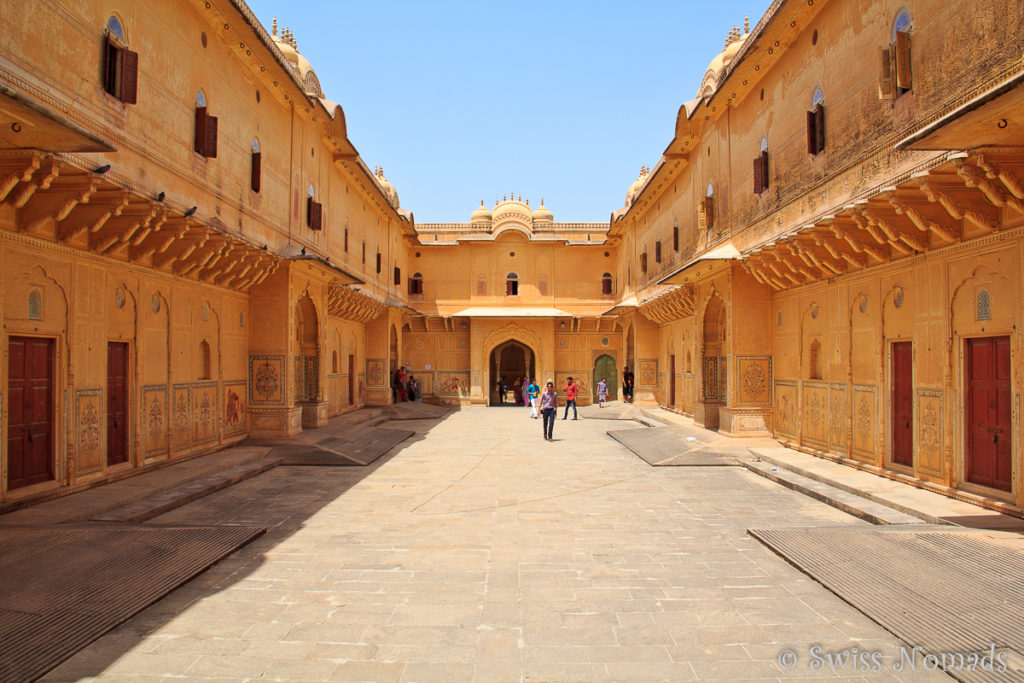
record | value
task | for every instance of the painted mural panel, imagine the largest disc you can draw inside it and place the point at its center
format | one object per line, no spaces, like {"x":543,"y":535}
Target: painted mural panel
{"x":205,"y":402}
{"x":266,"y":379}
{"x":89,"y":427}
{"x":375,"y":375}
{"x":864,"y":423}
{"x":837,"y":418}
{"x":234,"y":408}
{"x":647,"y":371}
{"x":754,"y":377}
{"x":453,"y":383}
{"x":929,"y":430}
{"x":154,"y":412}
{"x":814,"y":416}
{"x":181,"y":432}
{"x":785,"y":408}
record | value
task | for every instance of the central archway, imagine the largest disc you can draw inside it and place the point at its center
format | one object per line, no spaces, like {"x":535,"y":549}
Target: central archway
{"x":509,"y":361}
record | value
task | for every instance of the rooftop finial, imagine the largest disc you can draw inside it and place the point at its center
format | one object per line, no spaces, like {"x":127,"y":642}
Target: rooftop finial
{"x":274,"y":30}
{"x":542,"y":201}
{"x":746,"y":23}
{"x":520,"y":198}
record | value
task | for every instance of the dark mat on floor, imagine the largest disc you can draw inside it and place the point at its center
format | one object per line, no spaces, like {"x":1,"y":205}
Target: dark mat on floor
{"x":62,"y":588}
{"x":415,"y":411}
{"x":673,"y":445}
{"x":359,"y":447}
{"x":946,"y":591}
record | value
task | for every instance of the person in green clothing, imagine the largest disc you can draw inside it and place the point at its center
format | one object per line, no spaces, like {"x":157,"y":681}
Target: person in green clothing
{"x":534,"y":392}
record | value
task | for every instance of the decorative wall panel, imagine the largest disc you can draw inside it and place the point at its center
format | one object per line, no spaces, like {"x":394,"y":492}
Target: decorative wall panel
{"x":929,"y":431}
{"x":786,"y":408}
{"x":837,"y":418}
{"x":266,"y":379}
{"x":234,"y":408}
{"x":154,"y":419}
{"x":182,"y":420}
{"x":754,"y":380}
{"x":814,"y":415}
{"x":864,"y":404}
{"x":453,"y":383}
{"x":204,"y":400}
{"x":90,"y":430}
{"x":375,"y":375}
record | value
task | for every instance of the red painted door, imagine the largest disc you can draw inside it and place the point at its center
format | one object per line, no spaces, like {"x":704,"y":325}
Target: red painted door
{"x":902,"y":404}
{"x":117,"y":403}
{"x":672,"y":381}
{"x":30,"y":412}
{"x":351,"y":380}
{"x":988,"y":412}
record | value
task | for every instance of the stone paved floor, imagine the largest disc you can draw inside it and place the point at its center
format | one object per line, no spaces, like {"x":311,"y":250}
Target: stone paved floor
{"x":478,"y":551}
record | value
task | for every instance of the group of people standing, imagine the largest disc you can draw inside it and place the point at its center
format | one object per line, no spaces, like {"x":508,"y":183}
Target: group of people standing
{"x":405,"y":388}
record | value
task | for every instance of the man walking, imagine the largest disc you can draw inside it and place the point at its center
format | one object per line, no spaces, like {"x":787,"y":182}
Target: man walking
{"x":548,"y":408}
{"x":571,"y":391}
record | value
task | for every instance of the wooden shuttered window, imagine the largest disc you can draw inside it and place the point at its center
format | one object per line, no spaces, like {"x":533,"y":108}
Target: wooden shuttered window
{"x":398,"y":276}
{"x":816,"y":130}
{"x":643,"y":262}
{"x":206,"y":134}
{"x":255,"y":172}
{"x":657,"y":251}
{"x":415,"y":285}
{"x":761,"y":172}
{"x":886,"y":77}
{"x":902,"y":53}
{"x":675,"y":238}
{"x":706,"y":212}
{"x":314,"y":214}
{"x":346,"y":240}
{"x":378,"y":262}
{"x":606,"y":284}
{"x":121,"y":72}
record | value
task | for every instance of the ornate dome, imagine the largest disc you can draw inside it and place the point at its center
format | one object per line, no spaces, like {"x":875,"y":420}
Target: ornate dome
{"x":634,"y":189}
{"x":716,"y":69}
{"x":513,"y":210}
{"x":481,"y":215}
{"x":385,"y":185}
{"x":543,"y":214}
{"x":289,"y":48}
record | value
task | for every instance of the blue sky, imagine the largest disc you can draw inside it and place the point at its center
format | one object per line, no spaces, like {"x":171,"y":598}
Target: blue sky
{"x":463,"y":101}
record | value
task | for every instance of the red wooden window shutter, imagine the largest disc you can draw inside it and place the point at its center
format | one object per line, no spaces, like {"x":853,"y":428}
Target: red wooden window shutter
{"x":412,"y":286}
{"x":254,"y":179}
{"x":812,"y":135}
{"x":309,"y":212}
{"x":819,"y":126}
{"x":764,"y":169}
{"x":211,"y":137}
{"x":758,"y":176}
{"x":346,"y":240}
{"x":903,"y":71}
{"x":643,"y":262}
{"x":112,"y":64}
{"x":318,"y":216}
{"x":511,"y":288}
{"x":200,"y":141}
{"x":129,"y":76}
{"x":675,"y":238}
{"x":657,"y":251}
{"x":886,"y":79}
{"x":606,"y":285}
{"x":378,"y":262}
{"x":398,"y":275}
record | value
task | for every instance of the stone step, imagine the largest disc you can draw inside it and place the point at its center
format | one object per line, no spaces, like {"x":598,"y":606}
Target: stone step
{"x":649,"y":421}
{"x":847,"y":501}
{"x":165,"y":501}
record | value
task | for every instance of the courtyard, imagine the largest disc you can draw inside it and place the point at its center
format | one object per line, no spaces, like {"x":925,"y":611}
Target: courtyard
{"x":477,"y":551}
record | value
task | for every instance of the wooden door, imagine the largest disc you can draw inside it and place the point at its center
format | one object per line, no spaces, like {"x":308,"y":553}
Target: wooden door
{"x":351,"y":380}
{"x":672,"y":381}
{"x":604,"y":367}
{"x":30,"y":412}
{"x":117,"y":403}
{"x":902,"y":404}
{"x":988,"y":412}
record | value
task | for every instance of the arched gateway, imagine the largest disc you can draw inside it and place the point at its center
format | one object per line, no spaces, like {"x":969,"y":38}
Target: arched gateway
{"x":509,"y":361}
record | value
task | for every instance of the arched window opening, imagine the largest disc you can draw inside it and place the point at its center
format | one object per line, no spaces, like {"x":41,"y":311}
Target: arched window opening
{"x":606,"y":283}
{"x":511,"y":285}
{"x":205,"y":367}
{"x":416,"y":284}
{"x":255,"y":166}
{"x":121,"y":65}
{"x":206,"y":128}
{"x":895,"y":73}
{"x":706,"y":209}
{"x":816,"y":123}
{"x":814,"y":360}
{"x":35,"y":305}
{"x":984,"y":305}
{"x":761,"y":168}
{"x":314,"y":211}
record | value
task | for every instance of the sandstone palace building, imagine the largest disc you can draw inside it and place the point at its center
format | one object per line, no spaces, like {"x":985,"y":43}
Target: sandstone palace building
{"x":828,"y":250}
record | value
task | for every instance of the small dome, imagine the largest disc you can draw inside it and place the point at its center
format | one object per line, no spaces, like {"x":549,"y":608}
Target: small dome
{"x":481,"y":215}
{"x":543,"y":214}
{"x":385,"y":185}
{"x":716,"y":69}
{"x":514,"y":210}
{"x":289,"y":48}
{"x":638,"y":184}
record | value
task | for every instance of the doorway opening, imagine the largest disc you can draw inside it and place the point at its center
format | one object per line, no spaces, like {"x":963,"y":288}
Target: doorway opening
{"x":510,"y":361}
{"x":989,"y":448}
{"x":30,"y":411}
{"x":604,"y":368}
